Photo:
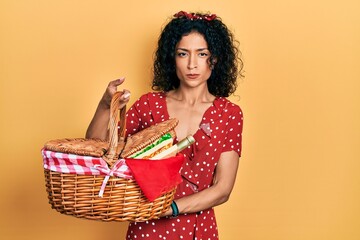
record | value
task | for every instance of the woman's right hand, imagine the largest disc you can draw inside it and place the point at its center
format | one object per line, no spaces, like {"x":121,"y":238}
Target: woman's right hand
{"x":111,"y":90}
{"x":98,"y":127}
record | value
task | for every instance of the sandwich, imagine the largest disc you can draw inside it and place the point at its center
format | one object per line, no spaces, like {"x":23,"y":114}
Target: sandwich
{"x":151,"y":150}
{"x":150,"y":141}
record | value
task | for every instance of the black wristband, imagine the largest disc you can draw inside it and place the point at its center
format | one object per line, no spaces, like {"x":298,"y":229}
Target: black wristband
{"x":175,"y":209}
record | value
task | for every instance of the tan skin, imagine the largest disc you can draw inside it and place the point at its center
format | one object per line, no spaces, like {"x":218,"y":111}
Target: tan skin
{"x":188,"y":104}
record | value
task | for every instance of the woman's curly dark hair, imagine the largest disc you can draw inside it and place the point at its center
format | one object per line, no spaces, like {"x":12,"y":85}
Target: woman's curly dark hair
{"x":221,"y":45}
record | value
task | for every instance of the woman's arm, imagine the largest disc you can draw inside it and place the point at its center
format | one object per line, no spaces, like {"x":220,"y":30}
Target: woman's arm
{"x":218,"y":193}
{"x":98,"y":127}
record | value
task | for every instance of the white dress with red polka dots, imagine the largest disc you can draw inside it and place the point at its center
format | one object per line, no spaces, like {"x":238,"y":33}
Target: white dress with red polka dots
{"x":219,"y":131}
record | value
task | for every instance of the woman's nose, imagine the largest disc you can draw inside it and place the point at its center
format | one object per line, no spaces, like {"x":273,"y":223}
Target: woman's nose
{"x":192,"y":62}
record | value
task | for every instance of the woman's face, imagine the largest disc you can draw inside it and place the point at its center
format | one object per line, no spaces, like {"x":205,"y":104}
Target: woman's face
{"x":192,"y":60}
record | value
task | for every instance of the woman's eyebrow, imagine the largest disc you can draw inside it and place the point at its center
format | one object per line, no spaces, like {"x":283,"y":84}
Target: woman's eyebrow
{"x":198,"y":50}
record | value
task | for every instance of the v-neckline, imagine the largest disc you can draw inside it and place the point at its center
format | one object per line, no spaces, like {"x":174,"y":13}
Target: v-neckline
{"x":167,"y":115}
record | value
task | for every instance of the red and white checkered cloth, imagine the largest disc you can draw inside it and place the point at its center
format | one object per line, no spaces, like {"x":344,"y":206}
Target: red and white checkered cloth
{"x":84,"y":165}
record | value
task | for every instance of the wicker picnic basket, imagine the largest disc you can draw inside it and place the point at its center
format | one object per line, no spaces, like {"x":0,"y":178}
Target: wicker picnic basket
{"x":123,"y":200}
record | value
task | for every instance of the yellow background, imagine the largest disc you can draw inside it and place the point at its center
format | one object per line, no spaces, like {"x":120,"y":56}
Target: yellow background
{"x":299,"y":174}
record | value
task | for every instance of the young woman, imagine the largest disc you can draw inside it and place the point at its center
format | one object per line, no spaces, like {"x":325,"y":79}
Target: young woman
{"x":196,"y":66}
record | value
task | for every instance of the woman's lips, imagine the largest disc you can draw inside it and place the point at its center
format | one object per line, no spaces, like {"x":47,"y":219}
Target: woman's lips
{"x":192,"y":76}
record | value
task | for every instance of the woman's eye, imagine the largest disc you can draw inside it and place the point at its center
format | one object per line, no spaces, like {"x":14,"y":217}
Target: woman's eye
{"x":181,"y":54}
{"x":203,"y":54}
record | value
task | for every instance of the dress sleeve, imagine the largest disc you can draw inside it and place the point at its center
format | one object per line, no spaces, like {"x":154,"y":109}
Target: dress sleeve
{"x":139,"y":115}
{"x":132,"y":120}
{"x":133,"y":117}
{"x":233,"y":134}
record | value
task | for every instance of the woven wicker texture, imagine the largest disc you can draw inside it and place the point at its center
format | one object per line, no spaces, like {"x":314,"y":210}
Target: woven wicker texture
{"x":77,"y":195}
{"x":123,"y":200}
{"x":79,"y":146}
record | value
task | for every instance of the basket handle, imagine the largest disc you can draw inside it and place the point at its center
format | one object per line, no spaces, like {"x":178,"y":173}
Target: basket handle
{"x":115,"y":134}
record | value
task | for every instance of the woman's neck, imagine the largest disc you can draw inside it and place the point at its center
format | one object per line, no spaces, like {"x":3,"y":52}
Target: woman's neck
{"x":191,"y":96}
